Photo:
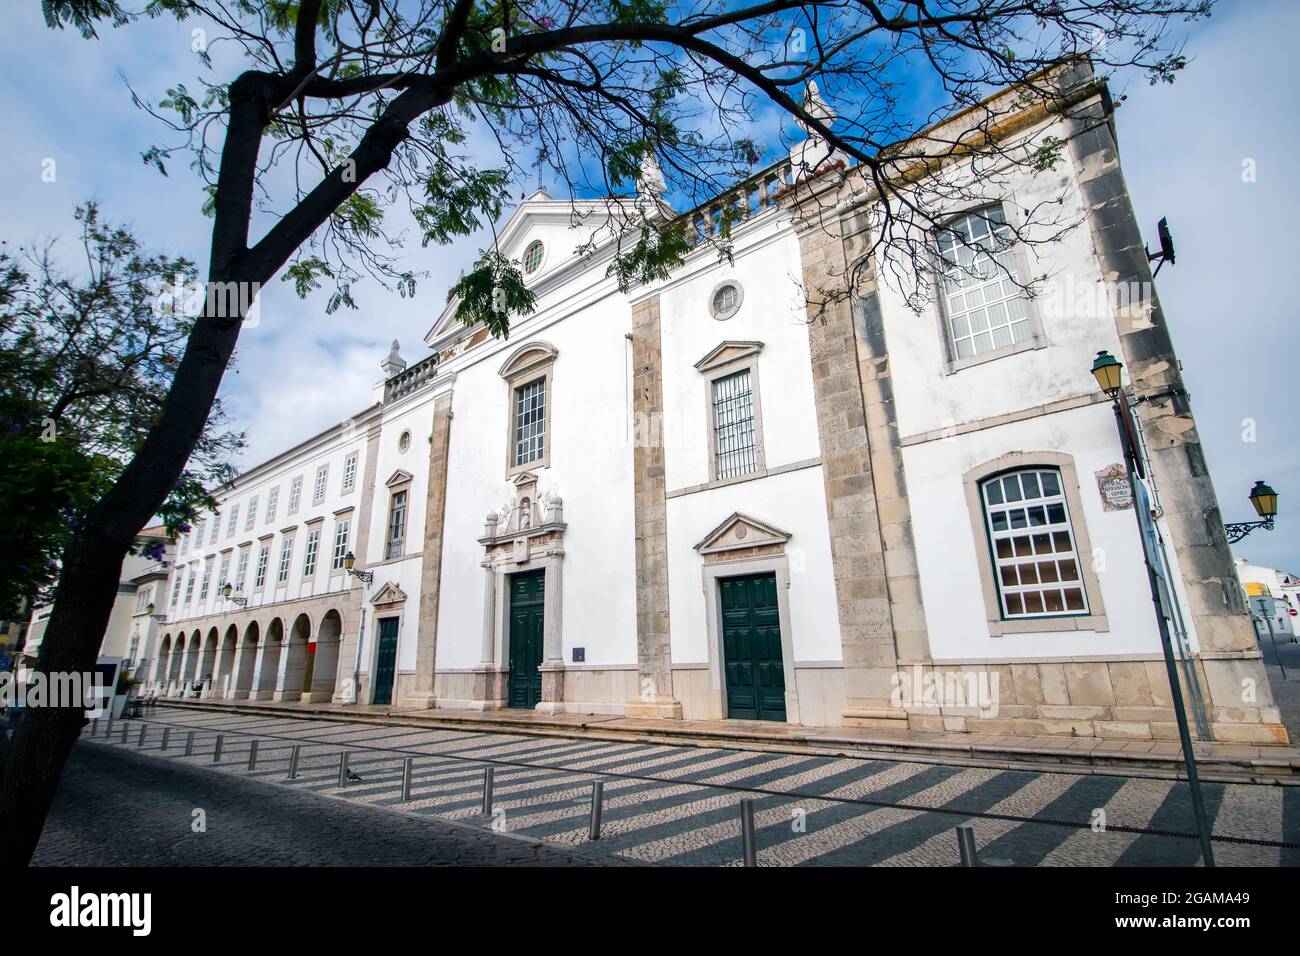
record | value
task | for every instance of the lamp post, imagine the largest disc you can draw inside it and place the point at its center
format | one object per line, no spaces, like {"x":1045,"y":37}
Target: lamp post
{"x":1264,"y":499}
{"x":227,"y":592}
{"x":160,"y":618}
{"x":1109,"y":374}
{"x":366,"y":578}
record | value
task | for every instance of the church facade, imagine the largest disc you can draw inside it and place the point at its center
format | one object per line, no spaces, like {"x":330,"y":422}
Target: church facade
{"x":766,"y":488}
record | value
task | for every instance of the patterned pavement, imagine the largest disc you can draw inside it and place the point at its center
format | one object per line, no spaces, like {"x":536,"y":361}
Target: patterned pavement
{"x":679,"y":805}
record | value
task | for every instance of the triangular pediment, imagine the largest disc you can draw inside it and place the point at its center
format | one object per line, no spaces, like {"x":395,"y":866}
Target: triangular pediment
{"x":741,"y":531}
{"x":724,"y":353}
{"x":399,"y":477}
{"x":390,"y":593}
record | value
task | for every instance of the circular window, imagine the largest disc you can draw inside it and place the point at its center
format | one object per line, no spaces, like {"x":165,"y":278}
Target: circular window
{"x":725,"y":301}
{"x":404,"y":442}
{"x":533,"y":256}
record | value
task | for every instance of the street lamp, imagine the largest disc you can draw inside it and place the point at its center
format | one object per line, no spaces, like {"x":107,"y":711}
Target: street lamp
{"x":157,"y":617}
{"x":227,"y":592}
{"x":1264,"y":499}
{"x":348,"y":561}
{"x":366,"y":578}
{"x":1108,"y":371}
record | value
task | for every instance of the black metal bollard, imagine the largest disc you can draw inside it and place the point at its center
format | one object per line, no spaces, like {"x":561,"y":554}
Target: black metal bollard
{"x":749,"y":842}
{"x":189,"y":743}
{"x":144,"y":728}
{"x":216,"y":750}
{"x":293,"y":761}
{"x":343,"y":769}
{"x":167,"y":732}
{"x":966,"y":845}
{"x":406,"y":778}
{"x":597,"y":806}
{"x":488,"y":778}
{"x":252,"y":755}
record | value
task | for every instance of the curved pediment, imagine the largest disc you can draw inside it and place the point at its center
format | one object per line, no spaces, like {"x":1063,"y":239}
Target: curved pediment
{"x":741,"y":531}
{"x":528,"y":358}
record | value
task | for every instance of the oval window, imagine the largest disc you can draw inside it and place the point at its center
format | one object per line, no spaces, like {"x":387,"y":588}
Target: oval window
{"x":404,"y":442}
{"x":533,"y":256}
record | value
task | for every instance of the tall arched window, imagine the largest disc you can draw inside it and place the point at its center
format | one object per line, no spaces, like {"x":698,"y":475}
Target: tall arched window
{"x":1032,"y":542}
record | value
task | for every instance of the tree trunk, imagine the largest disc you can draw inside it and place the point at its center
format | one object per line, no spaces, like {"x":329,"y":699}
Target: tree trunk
{"x":88,"y":580}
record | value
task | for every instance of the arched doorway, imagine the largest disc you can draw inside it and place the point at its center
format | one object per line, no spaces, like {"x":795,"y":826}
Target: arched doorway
{"x":268,"y":662}
{"x":207,"y":664}
{"x":246,"y":662}
{"x":322,"y":673}
{"x":223,"y":678}
{"x":174,"y":666}
{"x":164,"y":660}
{"x":190,"y":663}
{"x":297,"y":661}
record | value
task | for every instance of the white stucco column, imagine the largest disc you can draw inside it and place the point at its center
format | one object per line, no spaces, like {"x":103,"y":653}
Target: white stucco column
{"x":488,"y":655}
{"x":552,"y":630}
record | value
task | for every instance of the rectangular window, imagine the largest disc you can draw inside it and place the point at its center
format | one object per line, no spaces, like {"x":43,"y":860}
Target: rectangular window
{"x":530,"y":422}
{"x":318,"y":490}
{"x":734,"y":446}
{"x":176,"y":589}
{"x":216,"y":528}
{"x":142,"y":597}
{"x":207,"y":579}
{"x":309,"y":559}
{"x":295,"y":494}
{"x":272,"y":502}
{"x":224,"y":576}
{"x":985,"y":306}
{"x":189,"y":588}
{"x":198,"y":534}
{"x":340,"y":544}
{"x":396,"y":526}
{"x":349,"y":471}
{"x":286,"y":557}
{"x":1035,"y":565}
{"x":263,"y":558}
{"x":251,"y":518}
{"x":234,"y":521}
{"x":241,"y":571}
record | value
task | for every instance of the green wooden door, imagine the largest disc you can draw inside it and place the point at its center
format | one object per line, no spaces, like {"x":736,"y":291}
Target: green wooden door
{"x":526,"y":616}
{"x":751,"y":648}
{"x":386,"y":661}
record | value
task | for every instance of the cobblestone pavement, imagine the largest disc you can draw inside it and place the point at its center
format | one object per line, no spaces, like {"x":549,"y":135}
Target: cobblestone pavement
{"x":678,"y":805}
{"x":116,"y":807}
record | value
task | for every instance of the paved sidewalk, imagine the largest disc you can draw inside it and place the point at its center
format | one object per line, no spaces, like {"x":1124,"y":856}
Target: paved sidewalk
{"x":678,"y":804}
{"x":1159,"y":758}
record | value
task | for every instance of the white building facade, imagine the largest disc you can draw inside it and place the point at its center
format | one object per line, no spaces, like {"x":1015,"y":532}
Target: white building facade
{"x":716,"y":498}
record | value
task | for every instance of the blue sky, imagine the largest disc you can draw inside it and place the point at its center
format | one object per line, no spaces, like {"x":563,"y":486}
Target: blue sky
{"x":1183,"y":149}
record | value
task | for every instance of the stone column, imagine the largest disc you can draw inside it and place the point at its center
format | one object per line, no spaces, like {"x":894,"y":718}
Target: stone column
{"x":488,"y":692}
{"x":857,"y":550}
{"x":349,"y":638}
{"x":426,"y":647}
{"x":650,"y":511}
{"x":1240,"y":699}
{"x":552,"y":668}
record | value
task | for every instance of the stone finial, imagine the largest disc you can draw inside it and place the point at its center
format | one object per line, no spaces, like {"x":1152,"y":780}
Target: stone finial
{"x":394,"y":363}
{"x":812,"y":153}
{"x":816,"y":107}
{"x":490,"y":523}
{"x":554,"y":509}
{"x":650,"y":185}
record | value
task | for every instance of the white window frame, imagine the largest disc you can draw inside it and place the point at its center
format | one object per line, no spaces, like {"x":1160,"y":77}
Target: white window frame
{"x":272,"y":503}
{"x":233,"y":524}
{"x":350,"y":471}
{"x":309,"y":555}
{"x":295,"y":494}
{"x":286,"y":559}
{"x":250,"y":519}
{"x":320,"y":484}
{"x":1094,"y":618}
{"x":241,"y":570}
{"x":399,"y":503}
{"x":263,"y":560}
{"x":1031,"y":336}
{"x":342,"y":530}
{"x":206,"y":580}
